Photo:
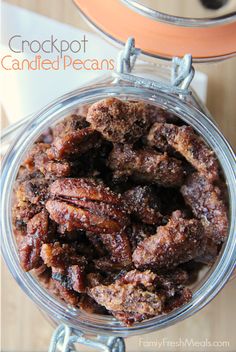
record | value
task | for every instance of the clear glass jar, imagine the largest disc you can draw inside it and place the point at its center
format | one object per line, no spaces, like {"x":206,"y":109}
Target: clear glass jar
{"x":211,"y":282}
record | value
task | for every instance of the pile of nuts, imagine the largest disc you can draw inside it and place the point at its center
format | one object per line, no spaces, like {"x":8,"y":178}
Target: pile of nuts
{"x":118,"y":207}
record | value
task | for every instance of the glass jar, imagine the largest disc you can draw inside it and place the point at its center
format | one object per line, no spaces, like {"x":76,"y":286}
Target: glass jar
{"x":211,"y":282}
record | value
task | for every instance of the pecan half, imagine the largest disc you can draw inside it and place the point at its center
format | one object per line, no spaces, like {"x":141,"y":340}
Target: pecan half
{"x":205,"y":200}
{"x":37,"y":159}
{"x":30,"y":247}
{"x":86,"y":205}
{"x":120,"y":121}
{"x":146,"y":165}
{"x":75,"y":142}
{"x":185,"y":141}
{"x":177,"y":242}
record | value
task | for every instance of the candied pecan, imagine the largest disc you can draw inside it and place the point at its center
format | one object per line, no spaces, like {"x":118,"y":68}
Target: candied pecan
{"x":137,"y":296}
{"x":86,"y":205}
{"x":144,"y":204}
{"x":108,"y":265}
{"x":119,"y":121}
{"x":37,"y":159}
{"x":137,"y":278}
{"x":56,"y":287}
{"x":34,"y":191}
{"x":71,"y":123}
{"x":97,"y":218}
{"x":30,"y":247}
{"x":72,"y":277}
{"x":168,"y":283}
{"x":146,"y":165}
{"x":24,"y":211}
{"x":69,"y":296}
{"x":118,"y":247}
{"x":177,"y":242}
{"x":128,"y":298}
{"x":184,"y":140}
{"x":61,"y":255}
{"x":74,"y":143}
{"x":205,"y":201}
{"x":84,"y":189}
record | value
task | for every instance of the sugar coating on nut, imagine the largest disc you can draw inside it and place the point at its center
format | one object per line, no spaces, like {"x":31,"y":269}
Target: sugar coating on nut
{"x":118,"y":121}
{"x":177,"y":242}
{"x":205,"y":200}
{"x":185,"y":141}
{"x":146,"y":165}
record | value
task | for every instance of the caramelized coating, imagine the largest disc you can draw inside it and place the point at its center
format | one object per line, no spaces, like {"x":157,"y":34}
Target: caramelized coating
{"x":177,"y":242}
{"x":118,"y":247}
{"x":184,"y":140}
{"x":34,"y":191}
{"x":37,"y":159}
{"x":84,"y":189}
{"x":71,"y":123}
{"x":72,"y":278}
{"x":96,"y":218}
{"x":23,"y":212}
{"x":119,"y":121}
{"x":74,"y":143}
{"x":144,"y":204}
{"x":30,"y":246}
{"x":69,"y":296}
{"x":109,"y":265}
{"x":86,"y":205}
{"x":137,"y":278}
{"x":60,"y":255}
{"x":206,"y":203}
{"x":128,"y":298}
{"x":136,"y":295}
{"x":146,"y":166}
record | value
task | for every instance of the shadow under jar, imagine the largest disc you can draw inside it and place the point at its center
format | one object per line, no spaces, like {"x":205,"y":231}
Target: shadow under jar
{"x":211,"y":279}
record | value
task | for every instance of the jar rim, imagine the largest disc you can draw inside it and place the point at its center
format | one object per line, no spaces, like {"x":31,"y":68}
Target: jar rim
{"x":164,"y":39}
{"x":156,"y":15}
{"x":215,"y":278}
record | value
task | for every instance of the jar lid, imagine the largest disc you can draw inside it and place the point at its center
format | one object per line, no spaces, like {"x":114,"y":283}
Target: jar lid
{"x":164,"y":35}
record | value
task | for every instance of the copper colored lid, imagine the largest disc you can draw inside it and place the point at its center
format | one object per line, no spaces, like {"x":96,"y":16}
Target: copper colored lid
{"x":159,"y":39}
